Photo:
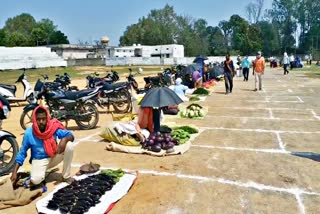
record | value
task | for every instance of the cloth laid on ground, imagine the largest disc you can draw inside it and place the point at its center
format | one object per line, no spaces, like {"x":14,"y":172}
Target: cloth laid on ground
{"x":19,"y":197}
{"x":180,"y":149}
{"x":107,"y":201}
{"x":121,"y":133}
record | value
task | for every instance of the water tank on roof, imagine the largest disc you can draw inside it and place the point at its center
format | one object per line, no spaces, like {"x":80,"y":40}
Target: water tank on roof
{"x":105,"y":40}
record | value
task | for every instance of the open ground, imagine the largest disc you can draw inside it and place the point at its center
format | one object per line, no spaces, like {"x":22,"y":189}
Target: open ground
{"x":239,"y":163}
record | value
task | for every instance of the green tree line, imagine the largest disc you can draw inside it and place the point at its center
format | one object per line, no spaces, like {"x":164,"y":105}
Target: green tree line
{"x":290,"y":25}
{"x":24,"y":30}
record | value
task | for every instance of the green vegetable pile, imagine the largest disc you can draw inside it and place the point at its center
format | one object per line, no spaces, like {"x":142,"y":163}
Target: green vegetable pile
{"x":201,"y":91}
{"x":180,"y":135}
{"x":194,"y":98}
{"x":114,"y":174}
{"x":189,"y":129}
{"x":193,"y":110}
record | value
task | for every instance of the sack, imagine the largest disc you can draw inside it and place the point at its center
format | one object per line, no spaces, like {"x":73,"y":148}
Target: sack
{"x":109,"y":134}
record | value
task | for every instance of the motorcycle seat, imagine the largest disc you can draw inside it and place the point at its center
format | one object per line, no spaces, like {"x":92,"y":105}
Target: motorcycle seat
{"x":11,"y":88}
{"x":114,"y":86}
{"x":74,"y":95}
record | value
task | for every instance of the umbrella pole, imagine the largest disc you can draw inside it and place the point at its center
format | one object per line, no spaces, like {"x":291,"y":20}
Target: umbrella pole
{"x":156,"y":119}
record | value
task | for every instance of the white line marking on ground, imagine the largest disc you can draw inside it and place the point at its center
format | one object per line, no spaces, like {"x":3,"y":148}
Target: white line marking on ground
{"x":302,"y":86}
{"x":255,"y":108}
{"x":290,"y":91}
{"x":249,"y":184}
{"x":274,"y":151}
{"x":281,"y":144}
{"x":300,"y":100}
{"x":275,"y":101}
{"x":315,"y":114}
{"x":270,"y":113}
{"x":300,"y":203}
{"x":262,"y":118}
{"x":260,"y":130}
{"x":85,"y":138}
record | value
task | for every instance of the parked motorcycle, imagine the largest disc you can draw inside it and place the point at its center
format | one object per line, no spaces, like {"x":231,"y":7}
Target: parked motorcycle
{"x":8,"y":145}
{"x":116,"y":95}
{"x":150,"y":81}
{"x":66,"y":105}
{"x":93,"y":80}
{"x":9,"y":91}
{"x":112,"y":93}
{"x":62,"y":82}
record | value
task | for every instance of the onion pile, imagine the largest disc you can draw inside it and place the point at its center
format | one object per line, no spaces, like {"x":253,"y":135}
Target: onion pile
{"x":158,"y":141}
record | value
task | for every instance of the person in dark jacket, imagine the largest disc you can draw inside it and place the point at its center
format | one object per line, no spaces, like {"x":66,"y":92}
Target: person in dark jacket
{"x":228,"y":74}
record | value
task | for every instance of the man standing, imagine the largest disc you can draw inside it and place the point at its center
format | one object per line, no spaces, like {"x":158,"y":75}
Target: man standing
{"x":286,"y":62}
{"x":45,"y":152}
{"x":258,"y":70}
{"x":245,"y":63}
{"x":228,"y":74}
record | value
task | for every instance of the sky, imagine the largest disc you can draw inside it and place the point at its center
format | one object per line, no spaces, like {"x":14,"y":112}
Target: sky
{"x":87,"y":21}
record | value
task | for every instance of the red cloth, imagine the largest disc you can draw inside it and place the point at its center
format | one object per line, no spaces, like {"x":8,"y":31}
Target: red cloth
{"x":49,"y":144}
{"x":145,"y":118}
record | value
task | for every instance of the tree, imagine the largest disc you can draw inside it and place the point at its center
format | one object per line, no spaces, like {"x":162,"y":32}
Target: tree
{"x":2,"y":37}
{"x":227,"y":30}
{"x":18,"y":30}
{"x":270,"y":38}
{"x":23,"y":30}
{"x":42,"y":32}
{"x":254,"y":10}
{"x":58,"y":37}
{"x":216,"y":41}
{"x":284,"y":14}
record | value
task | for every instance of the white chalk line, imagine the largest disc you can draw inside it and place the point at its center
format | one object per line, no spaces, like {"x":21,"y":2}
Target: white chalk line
{"x":261,"y":108}
{"x":300,"y":203}
{"x":262,"y":118}
{"x":271,"y":114}
{"x":290,"y":91}
{"x":85,"y":138}
{"x":249,"y":184}
{"x":315,"y":114}
{"x":273,"y":101}
{"x":300,"y":100}
{"x":259,"y":130}
{"x":274,"y":151}
{"x":281,"y":144}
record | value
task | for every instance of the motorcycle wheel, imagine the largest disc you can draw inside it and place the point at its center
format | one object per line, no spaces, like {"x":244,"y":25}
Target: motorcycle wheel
{"x":90,"y":121}
{"x":123,"y":102}
{"x":8,"y":151}
{"x":26,"y":119}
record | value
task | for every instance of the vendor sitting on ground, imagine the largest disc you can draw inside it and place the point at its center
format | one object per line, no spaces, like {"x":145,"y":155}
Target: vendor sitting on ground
{"x":180,"y":89}
{"x":197,"y":79}
{"x":45,"y":152}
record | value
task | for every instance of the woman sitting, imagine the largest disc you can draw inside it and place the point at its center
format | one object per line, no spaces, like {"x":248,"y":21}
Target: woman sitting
{"x":180,"y":89}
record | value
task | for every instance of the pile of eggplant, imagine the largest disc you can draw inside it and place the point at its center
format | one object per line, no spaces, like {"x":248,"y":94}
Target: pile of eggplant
{"x":80,"y":196}
{"x":158,"y":141}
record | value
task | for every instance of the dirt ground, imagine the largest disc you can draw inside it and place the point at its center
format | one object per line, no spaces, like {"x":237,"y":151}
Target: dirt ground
{"x":240,"y":162}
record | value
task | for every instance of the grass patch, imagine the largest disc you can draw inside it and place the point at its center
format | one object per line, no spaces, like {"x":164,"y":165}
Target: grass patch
{"x":313,"y":71}
{"x":76,"y":72}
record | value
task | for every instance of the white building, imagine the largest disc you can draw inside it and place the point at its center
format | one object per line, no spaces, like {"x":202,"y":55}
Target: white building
{"x":162,"y":51}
